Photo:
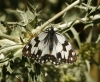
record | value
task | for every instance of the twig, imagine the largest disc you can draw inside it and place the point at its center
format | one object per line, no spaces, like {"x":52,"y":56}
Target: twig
{"x":92,"y":19}
{"x":40,"y":28}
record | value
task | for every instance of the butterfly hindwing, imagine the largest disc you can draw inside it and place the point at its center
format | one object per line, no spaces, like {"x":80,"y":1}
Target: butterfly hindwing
{"x":50,"y":46}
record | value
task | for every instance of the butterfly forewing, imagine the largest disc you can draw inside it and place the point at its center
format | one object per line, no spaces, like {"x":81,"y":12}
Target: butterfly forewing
{"x":50,"y":46}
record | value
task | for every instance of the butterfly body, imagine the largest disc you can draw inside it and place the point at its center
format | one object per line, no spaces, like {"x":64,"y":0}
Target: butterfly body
{"x":50,"y":46}
{"x":50,"y":39}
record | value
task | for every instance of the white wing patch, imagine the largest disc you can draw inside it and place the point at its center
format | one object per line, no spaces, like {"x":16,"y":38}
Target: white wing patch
{"x":58,"y":47}
{"x":60,"y":38}
{"x":42,"y":35}
{"x":45,"y":50}
{"x":50,"y":47}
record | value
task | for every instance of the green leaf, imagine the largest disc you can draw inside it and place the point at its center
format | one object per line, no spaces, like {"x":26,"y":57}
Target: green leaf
{"x":10,"y":47}
{"x":88,"y":39}
{"x":18,"y":53}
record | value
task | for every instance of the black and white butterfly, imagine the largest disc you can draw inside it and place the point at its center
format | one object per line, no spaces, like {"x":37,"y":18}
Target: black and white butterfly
{"x":50,"y":46}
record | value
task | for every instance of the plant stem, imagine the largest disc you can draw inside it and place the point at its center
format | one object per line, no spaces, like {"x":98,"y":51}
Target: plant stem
{"x":40,"y":28}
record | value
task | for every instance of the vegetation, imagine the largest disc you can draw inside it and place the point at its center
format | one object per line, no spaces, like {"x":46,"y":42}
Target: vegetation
{"x":78,"y":21}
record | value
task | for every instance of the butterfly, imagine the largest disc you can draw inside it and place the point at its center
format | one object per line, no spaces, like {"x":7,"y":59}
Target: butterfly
{"x":50,"y":46}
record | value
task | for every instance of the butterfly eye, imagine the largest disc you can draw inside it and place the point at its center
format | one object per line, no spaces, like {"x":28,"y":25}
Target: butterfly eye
{"x":50,"y":46}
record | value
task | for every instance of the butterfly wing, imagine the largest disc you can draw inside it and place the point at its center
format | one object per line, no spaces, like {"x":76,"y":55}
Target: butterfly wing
{"x":67,"y":55}
{"x":34,"y":48}
{"x":38,"y":48}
